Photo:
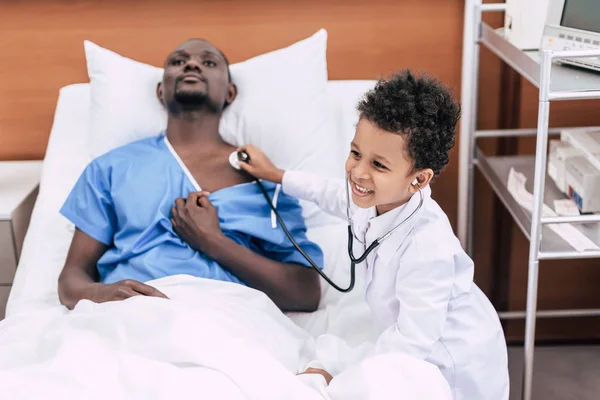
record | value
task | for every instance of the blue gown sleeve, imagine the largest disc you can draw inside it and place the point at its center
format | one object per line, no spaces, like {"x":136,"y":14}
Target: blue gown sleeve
{"x":274,"y":243}
{"x":89,"y":206}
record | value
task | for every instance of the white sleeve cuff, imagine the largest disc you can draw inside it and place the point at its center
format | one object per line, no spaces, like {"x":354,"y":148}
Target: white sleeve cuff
{"x":314,"y":381}
{"x":314,"y":364}
{"x":295,"y":183}
{"x":327,"y":193}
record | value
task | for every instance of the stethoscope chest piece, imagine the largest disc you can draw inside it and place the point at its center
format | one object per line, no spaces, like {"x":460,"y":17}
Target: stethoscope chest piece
{"x":236,"y":157}
{"x":233,"y":160}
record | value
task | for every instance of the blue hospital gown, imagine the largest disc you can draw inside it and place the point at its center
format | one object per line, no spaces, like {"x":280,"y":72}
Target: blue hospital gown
{"x":124,"y":198}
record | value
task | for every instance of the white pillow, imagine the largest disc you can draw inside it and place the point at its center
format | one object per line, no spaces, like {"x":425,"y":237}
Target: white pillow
{"x":280,"y":107}
{"x":343,"y":98}
{"x":49,"y":234}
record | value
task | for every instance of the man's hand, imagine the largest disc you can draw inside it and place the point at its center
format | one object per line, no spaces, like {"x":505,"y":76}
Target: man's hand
{"x":100,"y":292}
{"x":79,"y":278}
{"x":319,"y":371}
{"x":290,"y":286}
{"x":196,"y":222}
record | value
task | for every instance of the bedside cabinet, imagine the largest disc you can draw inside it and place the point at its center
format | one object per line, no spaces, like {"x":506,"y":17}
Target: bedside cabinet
{"x":19,"y":181}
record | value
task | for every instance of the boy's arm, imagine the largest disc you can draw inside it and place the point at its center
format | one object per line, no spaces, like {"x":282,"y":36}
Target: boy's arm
{"x":329,"y":194}
{"x":423,"y":288}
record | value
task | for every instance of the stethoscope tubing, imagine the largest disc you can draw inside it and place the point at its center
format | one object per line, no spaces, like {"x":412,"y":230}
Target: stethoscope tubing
{"x":376,"y":242}
{"x":353,"y":259}
{"x":243,"y":156}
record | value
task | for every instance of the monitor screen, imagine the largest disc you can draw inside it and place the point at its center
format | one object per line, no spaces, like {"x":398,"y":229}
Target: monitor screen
{"x":582,"y":14}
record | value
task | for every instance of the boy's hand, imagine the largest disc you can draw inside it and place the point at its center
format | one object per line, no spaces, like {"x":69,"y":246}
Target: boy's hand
{"x":260,"y":166}
{"x":319,"y":371}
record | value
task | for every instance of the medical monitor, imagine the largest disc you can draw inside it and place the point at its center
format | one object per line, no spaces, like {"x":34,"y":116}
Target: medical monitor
{"x":574,"y":25}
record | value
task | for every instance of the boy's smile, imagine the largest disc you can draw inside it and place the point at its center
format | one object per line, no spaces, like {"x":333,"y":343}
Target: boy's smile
{"x":361,"y":191}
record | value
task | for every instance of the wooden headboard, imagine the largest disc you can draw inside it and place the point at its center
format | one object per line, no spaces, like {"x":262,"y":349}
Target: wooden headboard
{"x":42,"y":44}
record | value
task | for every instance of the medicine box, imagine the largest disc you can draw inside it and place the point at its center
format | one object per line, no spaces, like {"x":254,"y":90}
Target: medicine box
{"x":583,"y":181}
{"x":524,"y":22}
{"x":560,"y":152}
{"x":586,"y":140}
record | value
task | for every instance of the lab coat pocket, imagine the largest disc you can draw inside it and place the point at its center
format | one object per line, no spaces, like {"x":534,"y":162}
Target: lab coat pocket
{"x":441,"y":357}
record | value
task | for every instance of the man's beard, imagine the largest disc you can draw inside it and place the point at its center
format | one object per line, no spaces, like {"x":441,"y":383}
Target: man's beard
{"x":190,"y":96}
{"x":191,"y":100}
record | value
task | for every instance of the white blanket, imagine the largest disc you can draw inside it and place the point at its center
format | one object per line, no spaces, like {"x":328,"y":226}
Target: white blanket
{"x":210,"y":340}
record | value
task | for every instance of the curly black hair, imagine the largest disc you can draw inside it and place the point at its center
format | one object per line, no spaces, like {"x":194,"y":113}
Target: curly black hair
{"x":421,"y":109}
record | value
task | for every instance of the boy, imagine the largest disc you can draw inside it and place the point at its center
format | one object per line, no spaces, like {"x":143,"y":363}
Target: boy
{"x":419,"y":280}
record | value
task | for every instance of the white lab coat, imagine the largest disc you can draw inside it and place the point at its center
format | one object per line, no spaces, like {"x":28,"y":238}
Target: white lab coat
{"x":420,"y":289}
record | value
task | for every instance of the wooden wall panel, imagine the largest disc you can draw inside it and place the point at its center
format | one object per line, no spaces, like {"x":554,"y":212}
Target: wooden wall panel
{"x":42,"y":47}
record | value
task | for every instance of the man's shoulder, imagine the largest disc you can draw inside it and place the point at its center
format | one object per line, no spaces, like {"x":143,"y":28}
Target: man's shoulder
{"x":130,"y":152}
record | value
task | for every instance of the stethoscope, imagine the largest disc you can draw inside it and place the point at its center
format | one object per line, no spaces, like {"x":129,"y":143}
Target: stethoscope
{"x":242,"y":156}
{"x":351,"y":236}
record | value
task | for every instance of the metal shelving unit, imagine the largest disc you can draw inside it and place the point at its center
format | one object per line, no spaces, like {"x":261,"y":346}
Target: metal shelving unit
{"x":555,"y":82}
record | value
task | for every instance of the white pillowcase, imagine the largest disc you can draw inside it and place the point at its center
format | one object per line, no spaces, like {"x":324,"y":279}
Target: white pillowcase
{"x":280,"y":107}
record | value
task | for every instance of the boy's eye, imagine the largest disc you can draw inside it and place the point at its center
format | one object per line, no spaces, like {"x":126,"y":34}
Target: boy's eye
{"x":210,"y":63}
{"x":355,"y":153}
{"x":379,"y":165}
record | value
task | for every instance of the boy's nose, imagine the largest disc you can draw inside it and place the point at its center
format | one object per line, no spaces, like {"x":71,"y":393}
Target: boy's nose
{"x":359,"y":172}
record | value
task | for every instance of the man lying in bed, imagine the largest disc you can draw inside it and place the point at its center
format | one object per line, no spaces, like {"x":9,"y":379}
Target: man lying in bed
{"x":140,"y":213}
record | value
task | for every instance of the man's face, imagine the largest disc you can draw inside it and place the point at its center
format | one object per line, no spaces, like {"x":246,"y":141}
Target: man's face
{"x":196,"y":73}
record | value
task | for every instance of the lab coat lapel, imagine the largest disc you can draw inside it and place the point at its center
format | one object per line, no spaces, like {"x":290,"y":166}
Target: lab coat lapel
{"x":361,"y":222}
{"x":389,"y":247}
{"x":361,"y":219}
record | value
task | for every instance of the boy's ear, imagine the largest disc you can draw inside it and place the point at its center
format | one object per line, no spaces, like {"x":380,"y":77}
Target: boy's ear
{"x":422,"y":179}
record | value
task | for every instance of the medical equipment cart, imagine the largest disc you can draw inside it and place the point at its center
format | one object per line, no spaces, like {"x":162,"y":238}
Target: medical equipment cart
{"x":555,"y":82}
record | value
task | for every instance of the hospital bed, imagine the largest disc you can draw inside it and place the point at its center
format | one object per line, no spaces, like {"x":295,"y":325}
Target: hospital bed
{"x":50,"y":233}
{"x":34,"y":293}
